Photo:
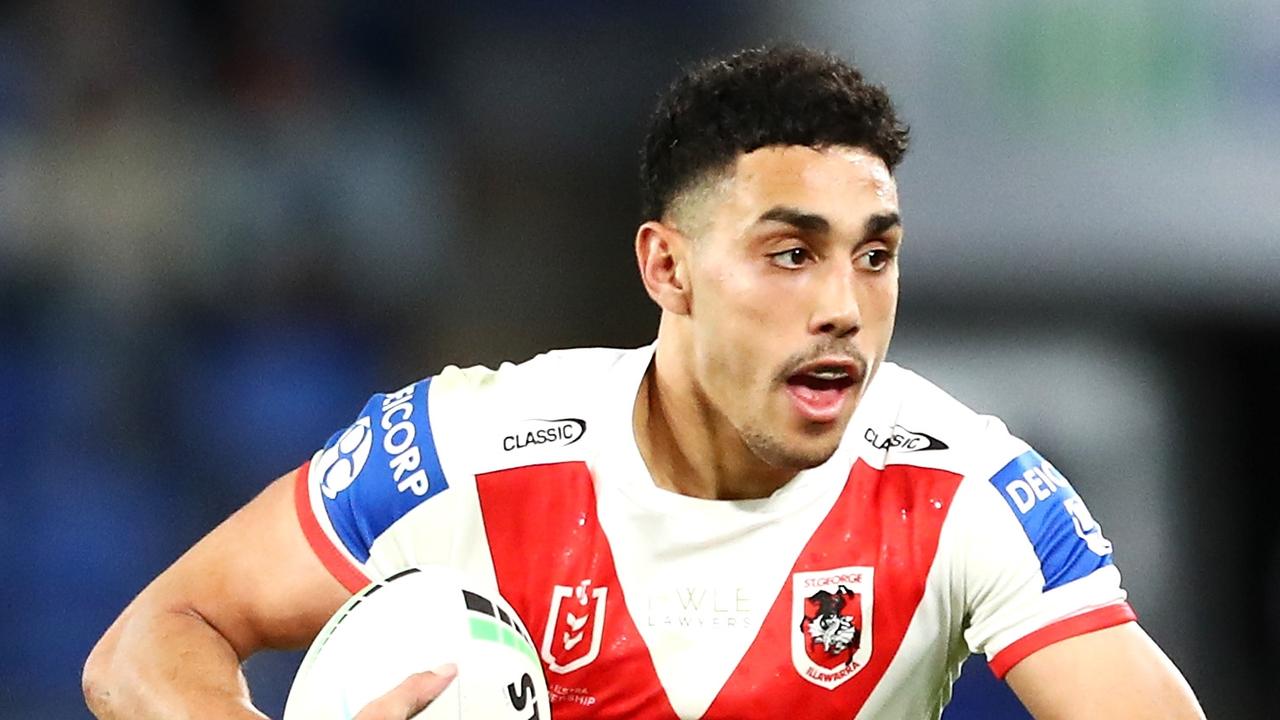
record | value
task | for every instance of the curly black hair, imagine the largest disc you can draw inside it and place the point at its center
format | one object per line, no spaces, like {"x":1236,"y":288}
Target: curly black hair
{"x":780,"y":95}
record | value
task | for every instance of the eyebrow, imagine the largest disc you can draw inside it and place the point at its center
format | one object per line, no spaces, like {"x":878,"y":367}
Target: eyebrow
{"x":881,"y":223}
{"x":875,"y":225}
{"x":807,"y":222}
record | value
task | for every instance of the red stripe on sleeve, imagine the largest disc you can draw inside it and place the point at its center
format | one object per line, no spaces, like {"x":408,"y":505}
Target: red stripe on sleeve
{"x":1087,"y":622}
{"x":333,"y":560}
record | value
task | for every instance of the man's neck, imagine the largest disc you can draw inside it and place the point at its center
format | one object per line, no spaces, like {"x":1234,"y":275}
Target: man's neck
{"x":688,"y":446}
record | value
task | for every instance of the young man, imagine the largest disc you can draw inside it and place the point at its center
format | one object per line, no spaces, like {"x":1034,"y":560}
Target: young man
{"x":756,"y":515}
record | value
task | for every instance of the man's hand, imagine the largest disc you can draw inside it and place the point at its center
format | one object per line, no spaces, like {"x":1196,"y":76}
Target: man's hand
{"x":411,"y":696}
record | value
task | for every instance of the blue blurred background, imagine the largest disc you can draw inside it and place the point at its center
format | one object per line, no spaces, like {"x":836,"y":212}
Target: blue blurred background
{"x":224,"y":224}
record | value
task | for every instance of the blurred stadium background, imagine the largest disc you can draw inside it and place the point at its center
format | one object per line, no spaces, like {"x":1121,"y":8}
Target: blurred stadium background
{"x":224,"y":224}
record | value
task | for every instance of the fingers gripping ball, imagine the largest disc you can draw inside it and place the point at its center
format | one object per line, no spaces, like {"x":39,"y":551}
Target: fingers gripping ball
{"x":418,"y":620}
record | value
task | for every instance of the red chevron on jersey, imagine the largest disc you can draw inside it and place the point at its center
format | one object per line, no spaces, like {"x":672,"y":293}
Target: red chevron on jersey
{"x":887,"y":520}
{"x":559,"y":576}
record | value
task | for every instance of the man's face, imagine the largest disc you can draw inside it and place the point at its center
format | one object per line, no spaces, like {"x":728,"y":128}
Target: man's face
{"x":793,"y":281}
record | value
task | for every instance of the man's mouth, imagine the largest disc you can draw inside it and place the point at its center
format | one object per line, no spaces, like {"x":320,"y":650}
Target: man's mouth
{"x":820,"y":389}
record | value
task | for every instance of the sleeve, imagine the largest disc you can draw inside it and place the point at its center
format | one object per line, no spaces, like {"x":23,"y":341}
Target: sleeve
{"x":1036,"y":566}
{"x":366,"y":479}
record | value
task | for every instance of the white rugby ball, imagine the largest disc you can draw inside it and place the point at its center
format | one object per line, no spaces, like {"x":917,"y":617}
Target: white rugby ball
{"x":418,"y":620}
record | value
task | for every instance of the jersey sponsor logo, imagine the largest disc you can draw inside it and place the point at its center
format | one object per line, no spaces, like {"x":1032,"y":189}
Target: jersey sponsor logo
{"x":1087,"y":529}
{"x":1039,"y":481}
{"x":831,"y":624}
{"x":903,"y":440}
{"x":337,"y":466}
{"x":575,"y":625}
{"x":703,"y":606}
{"x":399,"y":442}
{"x":1066,"y":539}
{"x":561,"y":432}
{"x":392,"y":468}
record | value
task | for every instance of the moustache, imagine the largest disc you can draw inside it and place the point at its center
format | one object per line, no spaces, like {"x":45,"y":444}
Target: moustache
{"x":842,"y":350}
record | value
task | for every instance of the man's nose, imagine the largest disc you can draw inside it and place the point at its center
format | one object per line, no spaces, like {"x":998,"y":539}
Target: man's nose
{"x":837,"y":312}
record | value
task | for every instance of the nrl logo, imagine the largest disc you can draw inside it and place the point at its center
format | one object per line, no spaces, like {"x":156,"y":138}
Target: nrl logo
{"x":575,"y":626}
{"x":831,"y":624}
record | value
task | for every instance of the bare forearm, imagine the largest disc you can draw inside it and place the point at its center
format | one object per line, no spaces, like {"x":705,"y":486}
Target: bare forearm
{"x":170,"y":665}
{"x":176,"y":651}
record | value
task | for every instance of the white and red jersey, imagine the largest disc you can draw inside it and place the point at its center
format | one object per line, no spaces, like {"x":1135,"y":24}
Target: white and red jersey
{"x":856,"y":590}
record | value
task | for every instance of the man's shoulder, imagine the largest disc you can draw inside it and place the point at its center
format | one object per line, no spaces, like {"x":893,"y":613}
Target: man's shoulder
{"x":565,"y":371}
{"x":910,"y":398}
{"x":550,"y":408}
{"x":917,"y":422}
{"x":547,"y":401}
{"x":579,"y":378}
{"x":432,"y":437}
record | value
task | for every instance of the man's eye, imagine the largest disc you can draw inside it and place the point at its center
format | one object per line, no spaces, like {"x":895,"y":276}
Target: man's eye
{"x":790,"y":259}
{"x":875,"y":260}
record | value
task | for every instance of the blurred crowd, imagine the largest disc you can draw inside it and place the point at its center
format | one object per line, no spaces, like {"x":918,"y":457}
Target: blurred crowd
{"x":222,"y":226}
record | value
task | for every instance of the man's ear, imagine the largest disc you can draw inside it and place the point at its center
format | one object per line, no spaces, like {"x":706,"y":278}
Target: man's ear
{"x":662,"y":252}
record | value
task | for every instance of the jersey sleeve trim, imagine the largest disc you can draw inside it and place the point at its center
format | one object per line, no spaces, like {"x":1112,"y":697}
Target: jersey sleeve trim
{"x":1086,"y":622}
{"x":346,"y":573}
